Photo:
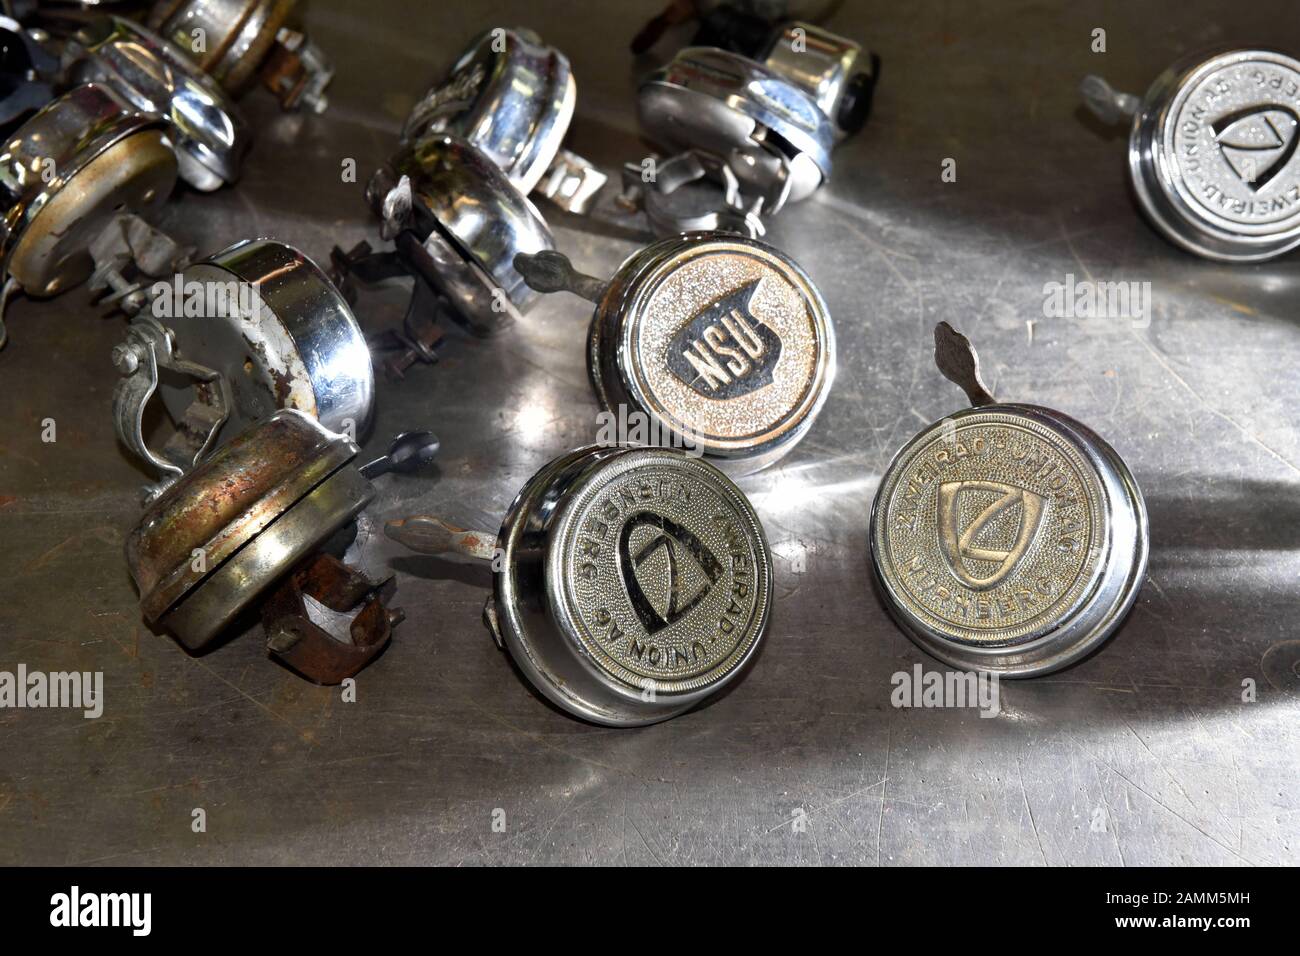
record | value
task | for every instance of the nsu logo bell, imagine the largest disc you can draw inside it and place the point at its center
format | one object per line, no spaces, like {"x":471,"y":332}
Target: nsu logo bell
{"x":725,"y":351}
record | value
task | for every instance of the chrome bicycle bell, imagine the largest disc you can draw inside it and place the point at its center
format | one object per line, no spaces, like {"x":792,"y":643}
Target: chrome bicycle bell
{"x":1212,"y":152}
{"x":1006,"y":537}
{"x":771,"y":125}
{"x":512,"y":96}
{"x":236,"y":40}
{"x":631,"y":583}
{"x":203,"y":125}
{"x":456,"y":223}
{"x":255,"y":328}
{"x":247,"y":529}
{"x":722,"y":343}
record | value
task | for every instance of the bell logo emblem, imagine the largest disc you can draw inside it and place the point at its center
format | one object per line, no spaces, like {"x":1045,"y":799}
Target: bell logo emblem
{"x":1257,"y":143}
{"x":666,"y":570}
{"x":992,"y":543}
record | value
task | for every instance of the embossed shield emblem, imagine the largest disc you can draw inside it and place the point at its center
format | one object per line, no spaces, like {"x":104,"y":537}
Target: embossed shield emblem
{"x":985,"y":528}
{"x":1257,"y":143}
{"x":666,"y":569}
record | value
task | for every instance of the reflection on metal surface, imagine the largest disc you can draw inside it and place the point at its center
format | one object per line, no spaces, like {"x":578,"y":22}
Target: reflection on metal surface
{"x":203,"y":125}
{"x":512,"y":97}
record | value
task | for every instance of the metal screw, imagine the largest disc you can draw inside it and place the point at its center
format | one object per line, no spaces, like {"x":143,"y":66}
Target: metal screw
{"x":126,"y":358}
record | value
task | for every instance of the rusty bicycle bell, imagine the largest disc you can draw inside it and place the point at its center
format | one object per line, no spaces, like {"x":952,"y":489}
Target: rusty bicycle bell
{"x":85,"y":167}
{"x":255,"y":526}
{"x":241,"y":41}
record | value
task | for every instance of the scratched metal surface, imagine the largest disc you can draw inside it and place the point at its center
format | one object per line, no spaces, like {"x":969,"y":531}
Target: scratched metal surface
{"x":1150,"y":736}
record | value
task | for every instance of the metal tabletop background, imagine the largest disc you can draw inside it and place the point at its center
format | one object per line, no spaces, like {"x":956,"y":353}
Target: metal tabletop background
{"x":1144,"y":754}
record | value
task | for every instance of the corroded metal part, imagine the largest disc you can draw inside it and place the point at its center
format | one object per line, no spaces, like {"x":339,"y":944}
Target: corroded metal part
{"x":363,"y":624}
{"x":236,"y":35}
{"x":207,"y":547}
{"x":261,"y":318}
{"x":237,"y":40}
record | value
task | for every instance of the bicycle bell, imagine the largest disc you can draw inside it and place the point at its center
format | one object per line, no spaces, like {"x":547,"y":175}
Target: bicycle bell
{"x":255,"y":328}
{"x":631,"y":583}
{"x":1212,"y":152}
{"x":512,"y":96}
{"x":238,"y":40}
{"x":248,"y":528}
{"x":722,"y":342}
{"x":457,"y":223}
{"x":67,"y":173}
{"x":770,"y":124}
{"x":203,"y":126}
{"x":1006,"y":537}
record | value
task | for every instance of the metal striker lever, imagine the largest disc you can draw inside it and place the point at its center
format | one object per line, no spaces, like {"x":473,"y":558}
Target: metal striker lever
{"x":1106,"y":103}
{"x":431,"y":535}
{"x":428,"y":534}
{"x":407,"y":452}
{"x":551,"y":271}
{"x":959,"y":363}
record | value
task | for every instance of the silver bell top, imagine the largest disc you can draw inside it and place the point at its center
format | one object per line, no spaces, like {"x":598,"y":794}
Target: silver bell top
{"x":721,"y":340}
{"x":1212,"y":152}
{"x":471,"y":220}
{"x":725,"y":104}
{"x":1007,"y":538}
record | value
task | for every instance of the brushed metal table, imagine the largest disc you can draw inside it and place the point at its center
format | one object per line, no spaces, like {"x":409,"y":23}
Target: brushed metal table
{"x":1144,"y":754}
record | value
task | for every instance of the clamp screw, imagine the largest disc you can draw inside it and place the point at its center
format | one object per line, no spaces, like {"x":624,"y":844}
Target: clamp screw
{"x":126,"y":359}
